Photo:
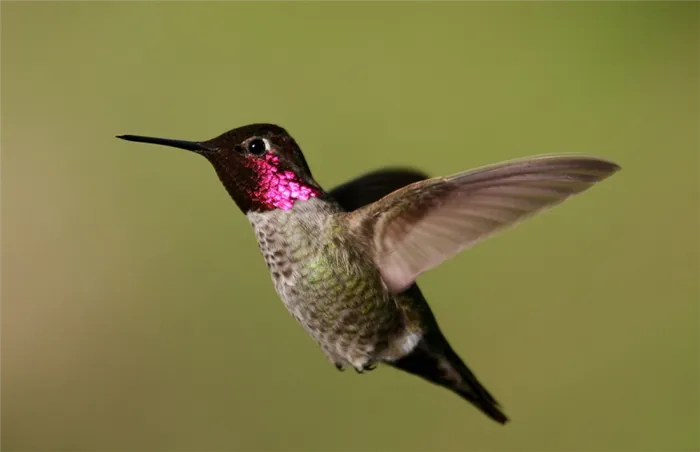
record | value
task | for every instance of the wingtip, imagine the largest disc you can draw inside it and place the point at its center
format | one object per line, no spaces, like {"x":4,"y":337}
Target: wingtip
{"x":609,"y":165}
{"x":591,"y":161}
{"x":614,"y":167}
{"x":607,"y":168}
{"x":596,"y":166}
{"x":601,"y":167}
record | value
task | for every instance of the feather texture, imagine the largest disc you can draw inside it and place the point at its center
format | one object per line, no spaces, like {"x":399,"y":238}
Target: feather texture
{"x":419,"y":226}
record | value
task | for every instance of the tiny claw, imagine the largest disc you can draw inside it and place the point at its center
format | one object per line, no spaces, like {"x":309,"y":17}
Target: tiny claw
{"x":365,"y":368}
{"x":339,"y":367}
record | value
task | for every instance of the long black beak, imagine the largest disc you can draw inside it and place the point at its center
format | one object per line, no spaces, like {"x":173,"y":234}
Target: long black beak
{"x":189,"y":145}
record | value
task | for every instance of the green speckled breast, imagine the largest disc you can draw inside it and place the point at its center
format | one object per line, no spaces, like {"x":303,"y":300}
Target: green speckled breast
{"x":327,"y":280}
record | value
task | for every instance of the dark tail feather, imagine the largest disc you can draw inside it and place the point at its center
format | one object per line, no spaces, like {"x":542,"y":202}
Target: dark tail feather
{"x":446,"y":369}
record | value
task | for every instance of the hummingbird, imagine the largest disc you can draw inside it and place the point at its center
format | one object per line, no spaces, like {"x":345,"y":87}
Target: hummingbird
{"x":345,"y":262}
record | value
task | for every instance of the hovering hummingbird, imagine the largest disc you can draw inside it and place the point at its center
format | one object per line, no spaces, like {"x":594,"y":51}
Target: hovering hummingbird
{"x":345,"y":261}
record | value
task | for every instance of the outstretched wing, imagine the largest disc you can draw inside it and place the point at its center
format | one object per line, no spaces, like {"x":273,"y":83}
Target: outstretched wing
{"x":373,"y":186}
{"x":419,"y":226}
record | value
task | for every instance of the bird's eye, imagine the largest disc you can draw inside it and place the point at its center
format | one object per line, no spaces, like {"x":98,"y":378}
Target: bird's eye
{"x":258,"y":146}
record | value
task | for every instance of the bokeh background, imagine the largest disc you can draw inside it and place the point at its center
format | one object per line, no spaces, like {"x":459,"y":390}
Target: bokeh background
{"x":137,"y":313}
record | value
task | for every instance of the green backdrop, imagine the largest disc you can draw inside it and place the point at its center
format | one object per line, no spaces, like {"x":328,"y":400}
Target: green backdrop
{"x":137,"y":313}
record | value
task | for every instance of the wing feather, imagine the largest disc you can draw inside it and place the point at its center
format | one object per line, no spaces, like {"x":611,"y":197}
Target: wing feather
{"x":420,"y":225}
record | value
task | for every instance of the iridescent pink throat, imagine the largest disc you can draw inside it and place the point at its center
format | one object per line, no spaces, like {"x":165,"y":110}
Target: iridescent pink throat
{"x":276,"y":188}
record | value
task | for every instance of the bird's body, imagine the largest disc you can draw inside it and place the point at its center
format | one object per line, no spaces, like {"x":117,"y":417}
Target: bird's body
{"x":344,"y":262}
{"x":326,"y":278}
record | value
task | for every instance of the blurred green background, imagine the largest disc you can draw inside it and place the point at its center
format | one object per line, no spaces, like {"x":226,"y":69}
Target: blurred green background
{"x":137,"y":312}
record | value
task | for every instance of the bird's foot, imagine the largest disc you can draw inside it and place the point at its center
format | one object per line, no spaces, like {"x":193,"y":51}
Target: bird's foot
{"x":365,"y":368}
